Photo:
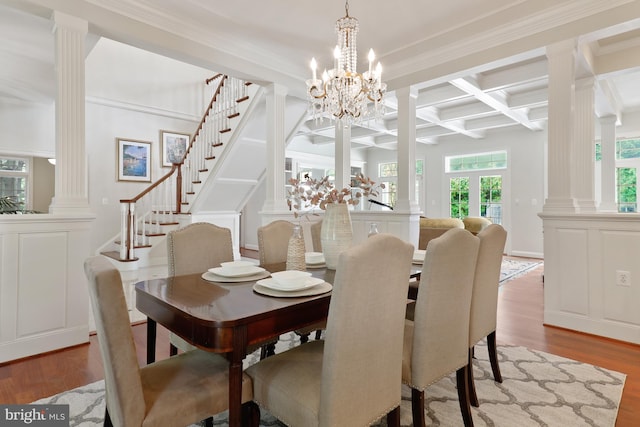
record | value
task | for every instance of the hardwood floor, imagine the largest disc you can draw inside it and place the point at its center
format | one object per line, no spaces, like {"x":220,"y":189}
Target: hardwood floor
{"x":519,"y":323}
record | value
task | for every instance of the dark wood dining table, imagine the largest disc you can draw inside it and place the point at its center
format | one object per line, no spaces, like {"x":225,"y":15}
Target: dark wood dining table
{"x":227,"y":318}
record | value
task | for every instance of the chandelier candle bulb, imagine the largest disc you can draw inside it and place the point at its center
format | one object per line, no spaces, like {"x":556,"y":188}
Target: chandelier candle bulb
{"x":372,"y":56}
{"x":314,"y":65}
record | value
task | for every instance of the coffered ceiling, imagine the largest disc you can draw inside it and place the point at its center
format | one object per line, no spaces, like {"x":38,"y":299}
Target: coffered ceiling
{"x":478,"y":67}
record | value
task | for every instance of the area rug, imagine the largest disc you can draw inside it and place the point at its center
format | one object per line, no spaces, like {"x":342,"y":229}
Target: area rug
{"x":513,"y":268}
{"x":538,"y":389}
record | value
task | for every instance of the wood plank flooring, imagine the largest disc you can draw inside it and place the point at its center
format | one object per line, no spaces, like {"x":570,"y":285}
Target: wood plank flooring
{"x":520,"y":320}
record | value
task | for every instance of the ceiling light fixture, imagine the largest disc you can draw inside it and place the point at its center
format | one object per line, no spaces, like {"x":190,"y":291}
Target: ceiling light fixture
{"x":343,"y":93}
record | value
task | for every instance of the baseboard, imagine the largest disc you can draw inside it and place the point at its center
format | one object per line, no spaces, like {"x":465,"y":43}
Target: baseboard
{"x":525,"y":254}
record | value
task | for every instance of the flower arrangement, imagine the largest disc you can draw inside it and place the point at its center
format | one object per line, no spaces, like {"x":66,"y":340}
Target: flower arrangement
{"x":309,"y":193}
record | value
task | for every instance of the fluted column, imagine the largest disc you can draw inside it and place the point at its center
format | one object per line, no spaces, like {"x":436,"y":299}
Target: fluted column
{"x":71,"y":195}
{"x":608,"y":164}
{"x":407,"y":98}
{"x":342,"y":155}
{"x":583,"y":152}
{"x":561,"y":65}
{"x":276,"y":200}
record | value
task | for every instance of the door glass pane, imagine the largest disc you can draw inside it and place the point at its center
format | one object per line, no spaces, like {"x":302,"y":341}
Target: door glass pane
{"x":459,"y":197}
{"x":491,"y":198}
{"x":626,"y":189}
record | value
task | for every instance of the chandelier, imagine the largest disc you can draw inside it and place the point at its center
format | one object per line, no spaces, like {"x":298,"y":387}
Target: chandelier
{"x":343,"y":93}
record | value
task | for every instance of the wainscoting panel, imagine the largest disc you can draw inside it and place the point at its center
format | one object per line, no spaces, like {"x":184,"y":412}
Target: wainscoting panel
{"x":621,"y":252}
{"x":41,"y":283}
{"x":584,"y":256}
{"x":574,"y":293}
{"x":44,"y":303}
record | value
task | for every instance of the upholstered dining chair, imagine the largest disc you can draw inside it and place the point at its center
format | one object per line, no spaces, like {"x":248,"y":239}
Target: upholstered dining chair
{"x":177,"y":391}
{"x":352,"y":377}
{"x":196,"y":248}
{"x":436,"y":341}
{"x":273,"y":242}
{"x":316,"y":229}
{"x":484,"y":300}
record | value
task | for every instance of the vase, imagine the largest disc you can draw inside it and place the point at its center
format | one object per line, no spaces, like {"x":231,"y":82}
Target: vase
{"x":336,"y":232}
{"x":295,"y":250}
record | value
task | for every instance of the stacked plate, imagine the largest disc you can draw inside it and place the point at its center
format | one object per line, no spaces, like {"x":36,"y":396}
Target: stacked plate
{"x":291,"y":283}
{"x":418,"y":256}
{"x":314,"y":259}
{"x":235,"y":271}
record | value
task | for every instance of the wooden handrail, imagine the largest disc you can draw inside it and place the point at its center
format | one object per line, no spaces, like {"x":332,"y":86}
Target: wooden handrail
{"x":152,"y":186}
{"x":206,"y":112}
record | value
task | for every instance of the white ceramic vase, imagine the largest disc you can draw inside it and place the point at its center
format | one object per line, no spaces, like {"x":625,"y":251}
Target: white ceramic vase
{"x":336,"y":233}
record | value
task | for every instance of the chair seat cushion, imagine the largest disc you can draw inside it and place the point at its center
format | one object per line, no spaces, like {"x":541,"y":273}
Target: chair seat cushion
{"x":181,"y":379}
{"x":288,"y":384}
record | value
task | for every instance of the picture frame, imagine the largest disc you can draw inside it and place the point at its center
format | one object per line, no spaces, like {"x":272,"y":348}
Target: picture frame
{"x":134,"y":160}
{"x":173,"y":146}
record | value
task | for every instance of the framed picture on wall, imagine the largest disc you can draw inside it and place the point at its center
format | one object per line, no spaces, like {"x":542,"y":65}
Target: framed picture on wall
{"x":173,"y":146}
{"x":134,"y":160}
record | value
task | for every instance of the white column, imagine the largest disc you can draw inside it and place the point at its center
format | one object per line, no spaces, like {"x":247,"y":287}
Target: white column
{"x":71,"y":194}
{"x":406,"y":202}
{"x":608,"y":164}
{"x":276,"y":198}
{"x":583,"y":152}
{"x":561,"y":65}
{"x":342,"y":155}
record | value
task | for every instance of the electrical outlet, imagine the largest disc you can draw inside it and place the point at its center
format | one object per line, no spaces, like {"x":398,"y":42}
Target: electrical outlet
{"x":623,"y":278}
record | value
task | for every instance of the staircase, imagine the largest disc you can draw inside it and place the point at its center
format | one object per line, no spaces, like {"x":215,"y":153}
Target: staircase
{"x":170,"y":202}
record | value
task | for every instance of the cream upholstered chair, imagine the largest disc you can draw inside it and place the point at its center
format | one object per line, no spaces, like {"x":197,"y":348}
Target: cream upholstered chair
{"x":436,"y":342}
{"x":316,"y":229}
{"x":352,"y":377}
{"x":484,"y":300}
{"x":195,"y":249}
{"x":177,"y":391}
{"x":273,"y":242}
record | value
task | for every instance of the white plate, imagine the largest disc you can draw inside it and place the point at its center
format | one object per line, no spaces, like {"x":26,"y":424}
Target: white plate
{"x":322,"y":288}
{"x":312,"y":266}
{"x":418,"y":256}
{"x":210,"y":277}
{"x":236,"y":271}
{"x":312,"y":258}
{"x":307,"y":282}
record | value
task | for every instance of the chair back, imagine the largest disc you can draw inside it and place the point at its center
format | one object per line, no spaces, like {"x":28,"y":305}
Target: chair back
{"x":484,"y":300}
{"x":125,"y":401}
{"x":273,"y":242}
{"x":316,"y":230}
{"x":441,"y":319}
{"x":362,"y":359}
{"x":197,"y":248}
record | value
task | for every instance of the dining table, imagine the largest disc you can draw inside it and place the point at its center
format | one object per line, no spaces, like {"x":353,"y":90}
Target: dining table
{"x":229,"y":317}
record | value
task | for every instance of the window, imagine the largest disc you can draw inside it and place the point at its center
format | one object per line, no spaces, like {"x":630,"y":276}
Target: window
{"x":491,"y":198}
{"x":14,"y":180}
{"x":626,"y":189}
{"x":472,"y":162}
{"x":388,"y":175}
{"x":459,"y":197}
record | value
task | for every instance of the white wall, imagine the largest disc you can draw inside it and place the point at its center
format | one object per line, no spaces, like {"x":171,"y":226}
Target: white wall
{"x":28,"y":129}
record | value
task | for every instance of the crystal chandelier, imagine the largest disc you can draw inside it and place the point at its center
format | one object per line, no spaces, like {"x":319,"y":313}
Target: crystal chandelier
{"x":343,"y":93}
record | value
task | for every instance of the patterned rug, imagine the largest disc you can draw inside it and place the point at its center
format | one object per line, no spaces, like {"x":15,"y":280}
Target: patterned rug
{"x":512,"y":268}
{"x":538,"y":389}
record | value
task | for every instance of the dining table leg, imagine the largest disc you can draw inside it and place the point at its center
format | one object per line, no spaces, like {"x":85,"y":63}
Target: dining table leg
{"x":151,"y":340}
{"x":235,"y":375}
